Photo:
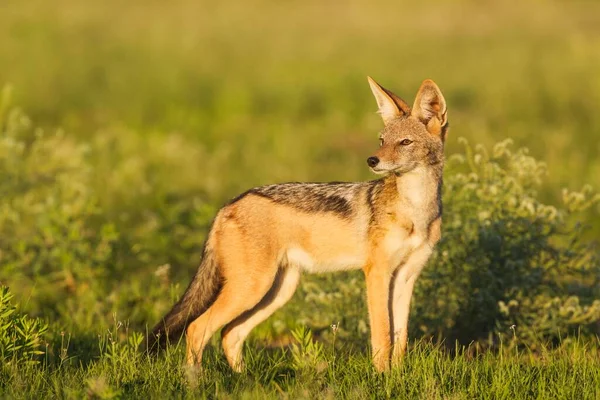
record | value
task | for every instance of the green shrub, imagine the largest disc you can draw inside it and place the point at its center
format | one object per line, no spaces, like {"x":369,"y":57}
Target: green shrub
{"x":85,"y":226}
{"x":55,"y":247}
{"x":509,"y":266}
{"x":21,"y":337}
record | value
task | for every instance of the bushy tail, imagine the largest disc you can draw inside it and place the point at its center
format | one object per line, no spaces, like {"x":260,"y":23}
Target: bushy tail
{"x":200,"y":294}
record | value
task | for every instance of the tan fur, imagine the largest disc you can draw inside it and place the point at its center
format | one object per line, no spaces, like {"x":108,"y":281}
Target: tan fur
{"x":262,"y":240}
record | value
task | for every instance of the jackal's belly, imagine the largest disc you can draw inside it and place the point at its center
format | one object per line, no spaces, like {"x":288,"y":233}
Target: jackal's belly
{"x":314,"y":262}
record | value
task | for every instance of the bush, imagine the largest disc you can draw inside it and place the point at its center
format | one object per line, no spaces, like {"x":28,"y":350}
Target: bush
{"x":21,"y":337}
{"x":84,"y":226}
{"x":509,"y":266}
{"x":54,"y":242}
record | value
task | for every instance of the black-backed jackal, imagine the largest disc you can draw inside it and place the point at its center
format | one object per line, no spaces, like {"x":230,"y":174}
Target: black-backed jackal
{"x":262,"y":240}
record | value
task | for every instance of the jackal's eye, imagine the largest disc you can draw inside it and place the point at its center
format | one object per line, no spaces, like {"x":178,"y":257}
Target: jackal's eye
{"x":405,"y":142}
{"x":380,"y":142}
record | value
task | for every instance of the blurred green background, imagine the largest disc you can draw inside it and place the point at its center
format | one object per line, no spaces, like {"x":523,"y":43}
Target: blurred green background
{"x":280,"y":86}
{"x":164,"y":110}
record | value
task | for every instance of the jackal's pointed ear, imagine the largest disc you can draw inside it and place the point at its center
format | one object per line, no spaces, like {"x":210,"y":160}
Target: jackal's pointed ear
{"x":390,"y":105}
{"x":430,"y":108}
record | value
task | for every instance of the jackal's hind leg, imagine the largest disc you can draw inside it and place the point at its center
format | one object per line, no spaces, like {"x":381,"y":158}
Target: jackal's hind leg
{"x":247,"y":280}
{"x":236,"y":332}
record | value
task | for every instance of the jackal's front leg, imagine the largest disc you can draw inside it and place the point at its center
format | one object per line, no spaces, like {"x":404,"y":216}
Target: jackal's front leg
{"x":403,"y":290}
{"x":403,"y":285}
{"x":378,"y":285}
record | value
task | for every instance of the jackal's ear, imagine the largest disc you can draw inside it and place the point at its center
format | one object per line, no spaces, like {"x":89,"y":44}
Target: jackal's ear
{"x":430,"y":108}
{"x":390,"y":105}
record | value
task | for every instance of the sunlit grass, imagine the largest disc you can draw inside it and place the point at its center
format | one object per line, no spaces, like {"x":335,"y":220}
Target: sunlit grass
{"x":428,"y":372}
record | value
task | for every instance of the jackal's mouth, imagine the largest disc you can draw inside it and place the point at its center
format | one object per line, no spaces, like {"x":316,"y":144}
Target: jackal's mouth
{"x":395,"y":169}
{"x":381,"y":171}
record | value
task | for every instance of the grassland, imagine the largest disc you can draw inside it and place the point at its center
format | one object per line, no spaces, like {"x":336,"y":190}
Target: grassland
{"x":572,"y":372}
{"x":125,"y":125}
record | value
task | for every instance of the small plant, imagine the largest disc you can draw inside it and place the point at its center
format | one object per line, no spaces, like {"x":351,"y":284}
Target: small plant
{"x":21,"y":337}
{"x":119,"y":350}
{"x":306,"y":353}
{"x":98,"y":388}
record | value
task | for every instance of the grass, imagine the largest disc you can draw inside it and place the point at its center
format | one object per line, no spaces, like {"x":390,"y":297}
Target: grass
{"x":428,"y":372}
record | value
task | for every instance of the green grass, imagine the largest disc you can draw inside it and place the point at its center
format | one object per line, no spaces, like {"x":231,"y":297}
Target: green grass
{"x":428,"y":372}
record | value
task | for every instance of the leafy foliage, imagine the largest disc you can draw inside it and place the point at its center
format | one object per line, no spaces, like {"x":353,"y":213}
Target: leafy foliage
{"x":64,"y":249}
{"x":21,"y":337}
{"x":507,"y":259}
{"x":306,"y":353}
{"x":53,"y":239}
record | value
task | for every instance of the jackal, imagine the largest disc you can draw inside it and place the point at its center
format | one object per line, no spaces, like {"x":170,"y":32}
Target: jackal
{"x":262,"y":240}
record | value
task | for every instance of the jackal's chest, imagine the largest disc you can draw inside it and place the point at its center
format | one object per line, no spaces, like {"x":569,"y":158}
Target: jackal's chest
{"x":399,"y":242}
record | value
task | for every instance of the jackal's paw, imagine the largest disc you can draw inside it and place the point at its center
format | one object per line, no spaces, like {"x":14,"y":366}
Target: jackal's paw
{"x":193,"y":359}
{"x":192,"y":371}
{"x":236,"y":362}
{"x":238,"y":366}
{"x":398,"y":356}
{"x":232,"y":346}
{"x":381,"y":361}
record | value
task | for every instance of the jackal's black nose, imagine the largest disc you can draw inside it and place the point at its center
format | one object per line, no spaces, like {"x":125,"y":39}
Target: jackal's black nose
{"x":372,"y":161}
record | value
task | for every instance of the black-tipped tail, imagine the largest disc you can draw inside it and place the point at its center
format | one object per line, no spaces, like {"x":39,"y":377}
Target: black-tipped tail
{"x":197,"y":298}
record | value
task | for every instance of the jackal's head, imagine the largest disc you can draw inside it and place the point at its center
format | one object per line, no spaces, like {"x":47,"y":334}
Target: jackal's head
{"x":411,"y":137}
